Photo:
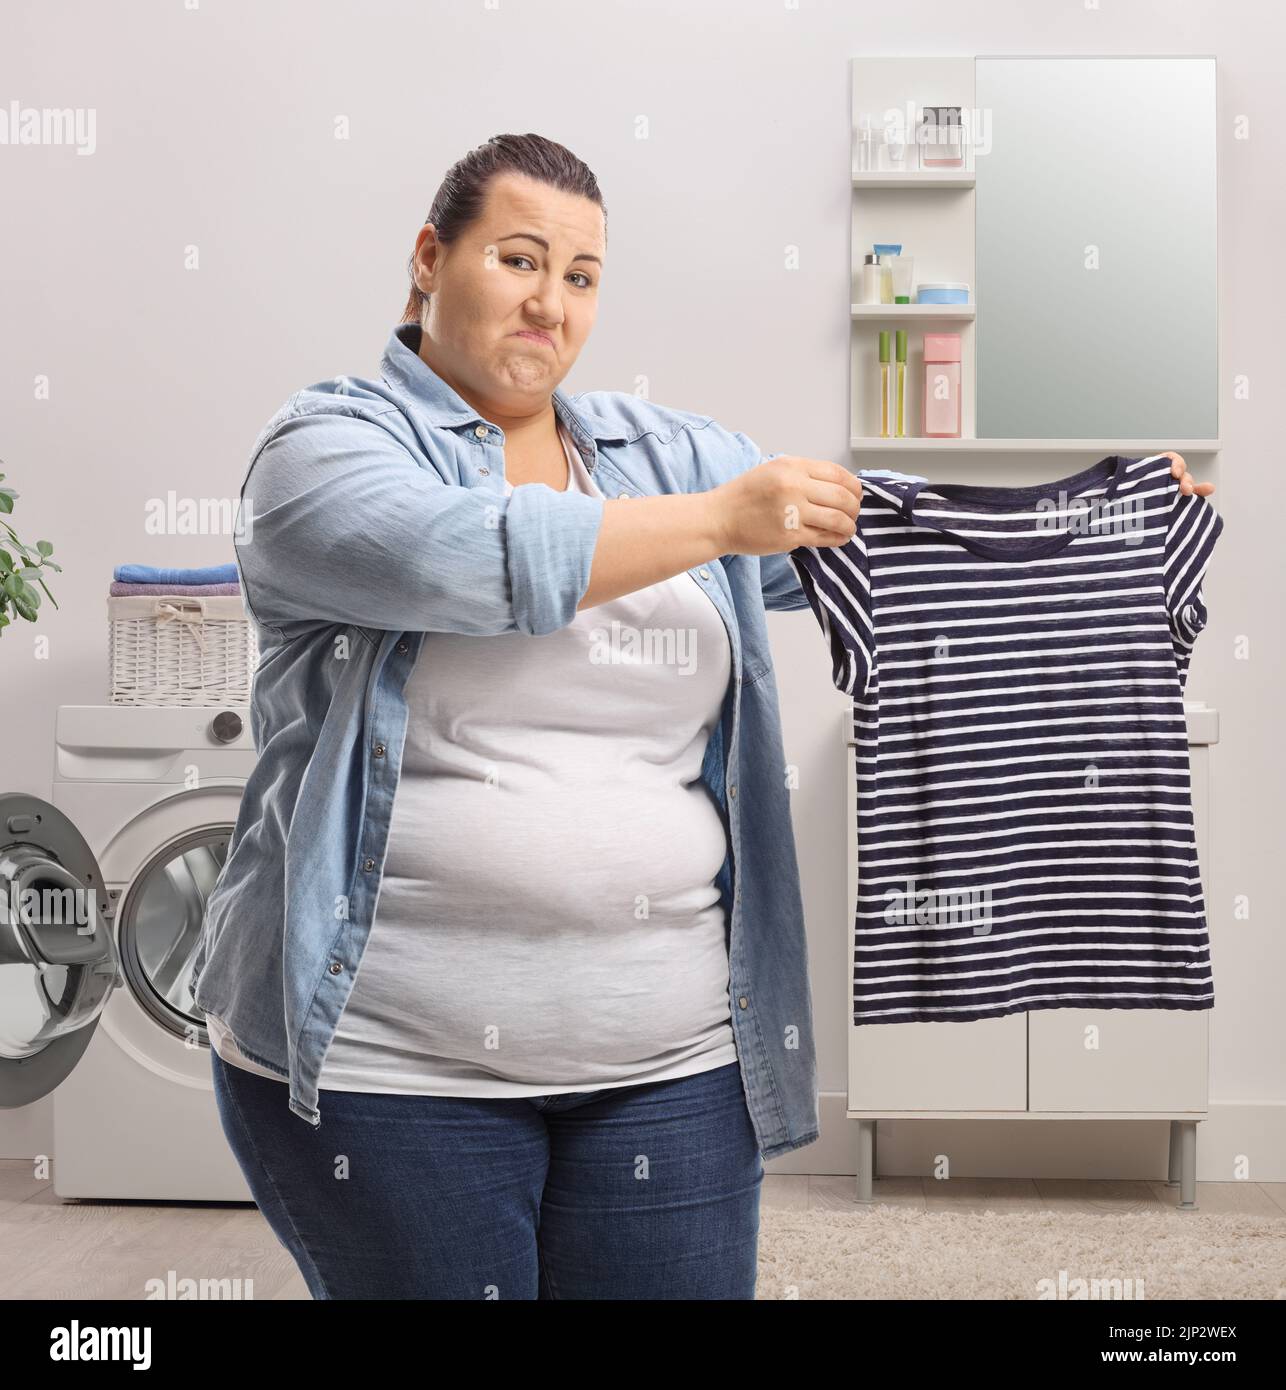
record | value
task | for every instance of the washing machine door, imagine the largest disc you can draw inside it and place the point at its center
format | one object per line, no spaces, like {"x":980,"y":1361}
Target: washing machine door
{"x":58,"y":963}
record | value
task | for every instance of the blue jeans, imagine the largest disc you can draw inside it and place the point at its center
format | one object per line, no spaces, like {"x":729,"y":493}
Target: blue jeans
{"x":632,"y":1192}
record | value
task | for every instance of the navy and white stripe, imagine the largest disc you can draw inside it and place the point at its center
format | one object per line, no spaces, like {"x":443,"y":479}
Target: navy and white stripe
{"x":1025,"y":829}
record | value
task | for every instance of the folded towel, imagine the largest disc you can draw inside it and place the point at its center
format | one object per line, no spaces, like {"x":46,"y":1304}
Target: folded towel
{"x":159,"y":590}
{"x":151,"y":574}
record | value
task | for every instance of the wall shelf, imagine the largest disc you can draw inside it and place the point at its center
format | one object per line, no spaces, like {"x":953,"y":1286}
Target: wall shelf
{"x":913,"y":178}
{"x":1126,"y":447}
{"x":913,"y":311}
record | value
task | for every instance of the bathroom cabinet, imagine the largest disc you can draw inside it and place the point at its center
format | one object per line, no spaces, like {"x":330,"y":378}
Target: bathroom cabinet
{"x":1149,"y":1064}
{"x":1083,"y":221}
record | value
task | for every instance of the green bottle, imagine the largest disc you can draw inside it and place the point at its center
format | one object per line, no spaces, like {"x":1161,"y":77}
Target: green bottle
{"x":884,"y":383}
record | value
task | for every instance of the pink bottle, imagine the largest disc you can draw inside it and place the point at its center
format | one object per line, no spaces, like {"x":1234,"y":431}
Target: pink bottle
{"x":940,"y":416}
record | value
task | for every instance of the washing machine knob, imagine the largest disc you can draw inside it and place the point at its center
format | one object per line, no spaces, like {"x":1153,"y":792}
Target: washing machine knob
{"x":226,"y":726}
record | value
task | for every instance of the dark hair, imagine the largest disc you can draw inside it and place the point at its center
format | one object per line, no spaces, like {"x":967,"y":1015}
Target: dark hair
{"x":460,"y":198}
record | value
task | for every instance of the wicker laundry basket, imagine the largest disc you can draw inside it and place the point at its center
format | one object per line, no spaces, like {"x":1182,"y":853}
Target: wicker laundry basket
{"x":180,"y":649}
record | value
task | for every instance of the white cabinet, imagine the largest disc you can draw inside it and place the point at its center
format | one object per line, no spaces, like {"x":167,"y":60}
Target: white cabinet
{"x":1043,"y":1064}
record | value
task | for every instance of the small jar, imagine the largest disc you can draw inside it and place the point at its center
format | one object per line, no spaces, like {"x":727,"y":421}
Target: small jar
{"x":940,"y":137}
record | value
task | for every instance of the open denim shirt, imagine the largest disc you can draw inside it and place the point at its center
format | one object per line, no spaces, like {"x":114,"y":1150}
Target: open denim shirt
{"x":377,"y":512}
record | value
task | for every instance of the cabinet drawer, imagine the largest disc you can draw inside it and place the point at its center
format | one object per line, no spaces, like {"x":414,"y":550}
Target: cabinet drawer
{"x":938,"y":1066}
{"x":1119,"y":1059}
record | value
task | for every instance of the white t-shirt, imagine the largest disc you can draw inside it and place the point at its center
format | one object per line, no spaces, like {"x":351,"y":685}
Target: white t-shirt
{"x":548,"y":918}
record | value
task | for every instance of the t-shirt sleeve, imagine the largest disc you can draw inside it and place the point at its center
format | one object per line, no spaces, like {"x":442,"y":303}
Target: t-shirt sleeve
{"x":836,"y":580}
{"x":1194,"y":527}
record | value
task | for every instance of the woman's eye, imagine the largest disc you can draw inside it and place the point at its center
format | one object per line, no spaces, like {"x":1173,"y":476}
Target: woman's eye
{"x":510,"y":259}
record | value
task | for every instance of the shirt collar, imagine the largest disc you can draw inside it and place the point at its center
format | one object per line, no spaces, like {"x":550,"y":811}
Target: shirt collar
{"x":410,"y":376}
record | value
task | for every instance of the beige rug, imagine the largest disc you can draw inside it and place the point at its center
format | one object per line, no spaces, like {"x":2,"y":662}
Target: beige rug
{"x":899,"y":1252}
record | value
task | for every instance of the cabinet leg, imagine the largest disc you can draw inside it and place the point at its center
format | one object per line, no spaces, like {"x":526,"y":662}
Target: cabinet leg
{"x":1172,"y":1176}
{"x":865,"y":1159}
{"x":1187,"y":1165}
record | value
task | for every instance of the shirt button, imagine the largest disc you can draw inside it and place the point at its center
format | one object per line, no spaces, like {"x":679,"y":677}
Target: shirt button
{"x":743,"y":1002}
{"x":379,"y":750}
{"x":480,"y":431}
{"x":732,"y":791}
{"x":368,"y":864}
{"x":403,"y":647}
{"x":705,"y":574}
{"x":335,"y":967}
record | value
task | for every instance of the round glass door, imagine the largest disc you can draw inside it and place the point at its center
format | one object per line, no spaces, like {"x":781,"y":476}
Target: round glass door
{"x":160,"y":924}
{"x":58,"y":965}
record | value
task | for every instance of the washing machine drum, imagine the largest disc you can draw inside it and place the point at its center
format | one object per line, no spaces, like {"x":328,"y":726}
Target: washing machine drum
{"x":58,"y":962}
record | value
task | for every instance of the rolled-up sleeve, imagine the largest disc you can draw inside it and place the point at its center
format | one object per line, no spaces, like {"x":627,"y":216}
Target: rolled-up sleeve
{"x":341,"y":524}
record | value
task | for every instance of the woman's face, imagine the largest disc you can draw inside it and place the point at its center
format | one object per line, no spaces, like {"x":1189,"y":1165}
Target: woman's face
{"x":497,"y":282}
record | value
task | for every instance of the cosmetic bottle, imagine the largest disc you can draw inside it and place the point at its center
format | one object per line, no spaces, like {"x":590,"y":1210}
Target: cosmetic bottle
{"x":864,"y":148}
{"x":940,"y":414}
{"x":891,"y":151}
{"x":884,"y":383}
{"x":899,"y":408}
{"x":872,"y":279}
{"x":886,"y":251}
{"x":900,"y":268}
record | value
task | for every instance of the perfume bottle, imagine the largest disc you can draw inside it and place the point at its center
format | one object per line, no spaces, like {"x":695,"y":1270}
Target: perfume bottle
{"x":899,"y":410}
{"x":884,"y":383}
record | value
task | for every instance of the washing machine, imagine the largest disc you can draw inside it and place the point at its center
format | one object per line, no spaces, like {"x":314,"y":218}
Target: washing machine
{"x":102,"y":901}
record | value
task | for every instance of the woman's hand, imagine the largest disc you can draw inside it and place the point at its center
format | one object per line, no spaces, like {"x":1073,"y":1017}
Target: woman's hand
{"x":1179,"y":469}
{"x":786,"y":501}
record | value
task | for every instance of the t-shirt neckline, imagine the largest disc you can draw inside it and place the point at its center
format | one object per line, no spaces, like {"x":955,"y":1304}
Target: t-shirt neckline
{"x":1109,"y":470}
{"x":573,"y":455}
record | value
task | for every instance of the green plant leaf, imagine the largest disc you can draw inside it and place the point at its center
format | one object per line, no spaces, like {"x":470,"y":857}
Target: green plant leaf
{"x":17,"y":579}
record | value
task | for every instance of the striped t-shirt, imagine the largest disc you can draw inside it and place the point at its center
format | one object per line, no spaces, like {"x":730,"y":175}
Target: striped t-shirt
{"x":1017,"y":659}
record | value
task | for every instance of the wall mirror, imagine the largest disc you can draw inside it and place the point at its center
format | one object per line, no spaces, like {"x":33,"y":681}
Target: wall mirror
{"x":1096,"y":261}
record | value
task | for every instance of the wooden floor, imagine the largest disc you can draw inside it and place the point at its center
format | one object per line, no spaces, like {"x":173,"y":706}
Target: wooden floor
{"x":91,"y":1250}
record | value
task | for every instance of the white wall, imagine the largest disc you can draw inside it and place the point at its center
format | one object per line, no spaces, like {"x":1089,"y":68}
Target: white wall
{"x":215,"y":128}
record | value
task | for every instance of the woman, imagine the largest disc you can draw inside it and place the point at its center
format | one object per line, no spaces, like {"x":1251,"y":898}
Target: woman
{"x":515,"y":691}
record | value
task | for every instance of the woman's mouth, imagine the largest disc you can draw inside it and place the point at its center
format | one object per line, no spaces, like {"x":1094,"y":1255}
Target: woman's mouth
{"x":535,"y":337}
